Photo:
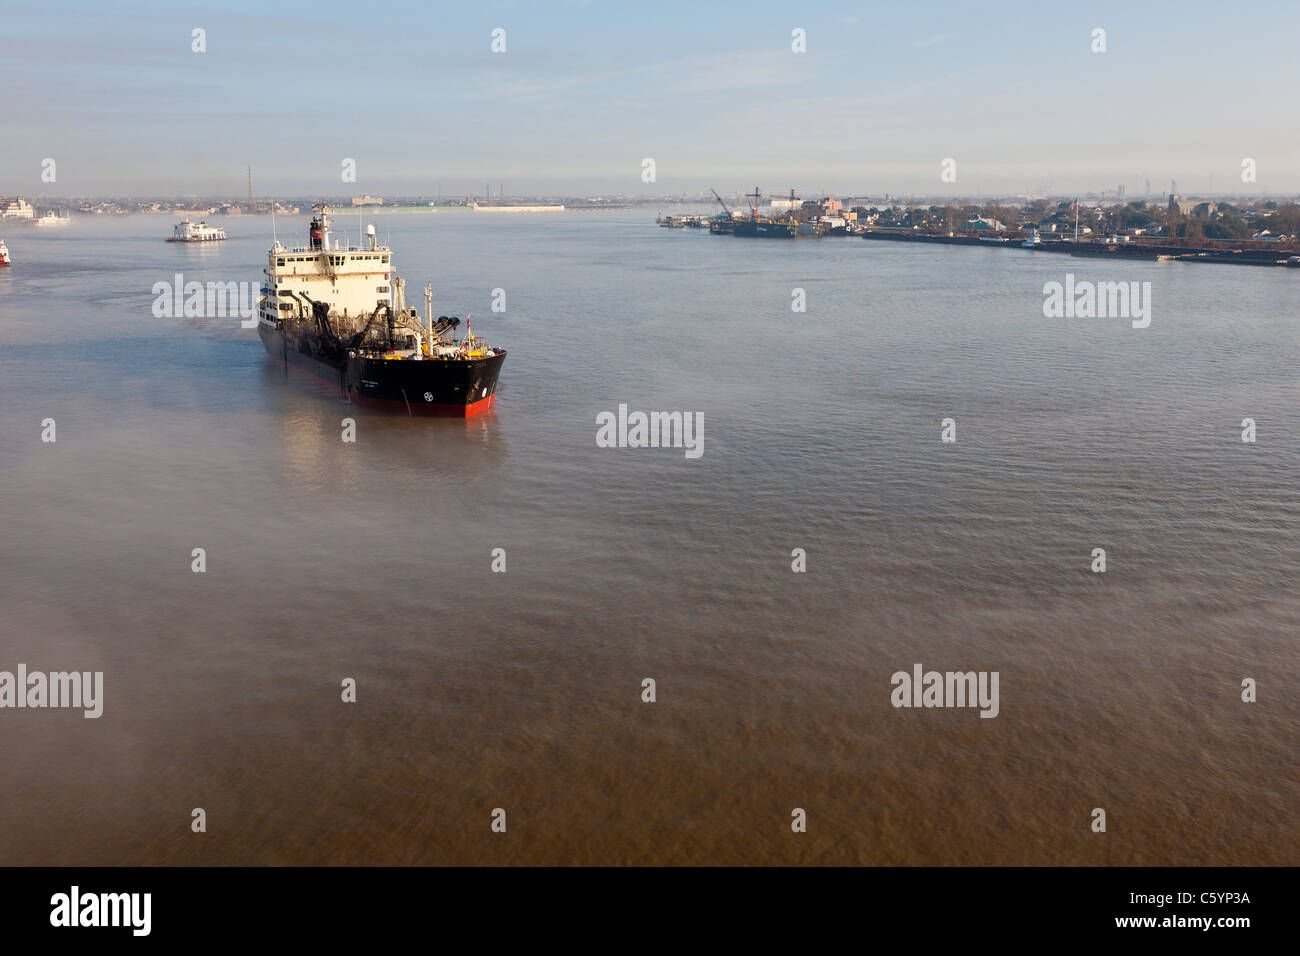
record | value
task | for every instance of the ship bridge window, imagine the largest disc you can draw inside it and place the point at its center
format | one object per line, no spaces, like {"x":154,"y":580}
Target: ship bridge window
{"x":279,"y":262}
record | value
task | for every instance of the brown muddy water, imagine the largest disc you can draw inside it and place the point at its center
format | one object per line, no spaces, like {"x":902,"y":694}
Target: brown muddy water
{"x":522,"y":690}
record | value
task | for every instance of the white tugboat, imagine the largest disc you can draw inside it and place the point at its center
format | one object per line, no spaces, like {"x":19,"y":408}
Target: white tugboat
{"x":187,"y":231}
{"x":341,"y":315}
{"x":4,"y":254}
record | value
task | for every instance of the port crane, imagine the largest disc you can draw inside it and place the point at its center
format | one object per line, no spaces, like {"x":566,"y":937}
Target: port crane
{"x":730,"y":214}
{"x":756,"y":195}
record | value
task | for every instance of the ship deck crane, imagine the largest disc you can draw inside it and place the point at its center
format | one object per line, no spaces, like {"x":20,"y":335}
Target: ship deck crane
{"x":359,"y":337}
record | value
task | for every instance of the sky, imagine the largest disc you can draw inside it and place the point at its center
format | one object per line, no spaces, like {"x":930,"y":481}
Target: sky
{"x":586,"y":91}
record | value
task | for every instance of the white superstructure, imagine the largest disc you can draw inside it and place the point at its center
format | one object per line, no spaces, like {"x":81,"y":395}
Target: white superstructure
{"x":352,"y":281}
{"x":16,"y":208}
{"x":187,"y":231}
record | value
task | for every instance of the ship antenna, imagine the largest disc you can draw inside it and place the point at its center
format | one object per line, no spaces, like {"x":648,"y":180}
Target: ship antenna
{"x":275,"y":240}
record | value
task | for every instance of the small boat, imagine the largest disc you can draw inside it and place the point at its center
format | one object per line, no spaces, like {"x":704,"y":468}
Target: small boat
{"x":4,"y":254}
{"x":1032,"y":242}
{"x":186,"y":231}
{"x":52,"y":219}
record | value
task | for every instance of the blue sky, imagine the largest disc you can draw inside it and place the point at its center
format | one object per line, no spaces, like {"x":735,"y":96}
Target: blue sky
{"x":586,"y":90}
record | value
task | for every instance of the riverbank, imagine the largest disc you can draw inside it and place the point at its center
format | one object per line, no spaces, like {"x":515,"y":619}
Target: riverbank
{"x":1102,"y":249}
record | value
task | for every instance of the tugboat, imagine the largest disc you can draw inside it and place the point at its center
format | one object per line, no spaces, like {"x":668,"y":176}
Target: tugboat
{"x":4,"y":254}
{"x":341,"y":315}
{"x":186,"y":231}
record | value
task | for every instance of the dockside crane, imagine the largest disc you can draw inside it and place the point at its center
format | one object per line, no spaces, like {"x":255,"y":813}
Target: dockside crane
{"x":730,"y":214}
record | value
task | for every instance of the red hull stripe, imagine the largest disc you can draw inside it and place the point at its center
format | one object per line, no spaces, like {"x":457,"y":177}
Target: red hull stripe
{"x":428,"y":408}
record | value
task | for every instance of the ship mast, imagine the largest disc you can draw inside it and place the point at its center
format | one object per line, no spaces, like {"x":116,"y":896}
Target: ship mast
{"x":428,"y":319}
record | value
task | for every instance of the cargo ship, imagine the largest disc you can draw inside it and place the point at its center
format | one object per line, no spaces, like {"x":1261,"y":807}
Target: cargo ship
{"x":766,"y":228}
{"x":340,"y":315}
{"x":763,"y":228}
{"x":186,"y":231}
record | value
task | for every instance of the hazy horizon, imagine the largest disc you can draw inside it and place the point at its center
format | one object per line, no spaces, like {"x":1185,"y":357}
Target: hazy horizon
{"x":584,"y":92}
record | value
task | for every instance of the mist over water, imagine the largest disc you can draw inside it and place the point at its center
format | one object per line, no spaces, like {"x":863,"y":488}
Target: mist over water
{"x":521,"y":690}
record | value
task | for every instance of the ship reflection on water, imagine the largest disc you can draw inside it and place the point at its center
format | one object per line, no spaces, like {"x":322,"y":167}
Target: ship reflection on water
{"x":388,"y":449}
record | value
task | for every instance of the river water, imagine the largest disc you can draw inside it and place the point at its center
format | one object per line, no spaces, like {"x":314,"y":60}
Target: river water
{"x":522,"y":690}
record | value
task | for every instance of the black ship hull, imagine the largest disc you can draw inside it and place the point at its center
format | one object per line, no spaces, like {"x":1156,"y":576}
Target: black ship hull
{"x":455,"y":388}
{"x":765,"y":229}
